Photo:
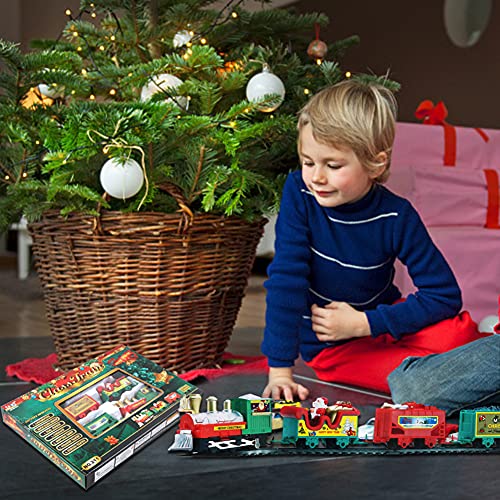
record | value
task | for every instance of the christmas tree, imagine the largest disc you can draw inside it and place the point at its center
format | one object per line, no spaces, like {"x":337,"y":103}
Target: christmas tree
{"x":138,"y":98}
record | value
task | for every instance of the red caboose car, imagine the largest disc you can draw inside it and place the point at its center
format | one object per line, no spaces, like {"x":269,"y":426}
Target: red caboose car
{"x":409,"y":423}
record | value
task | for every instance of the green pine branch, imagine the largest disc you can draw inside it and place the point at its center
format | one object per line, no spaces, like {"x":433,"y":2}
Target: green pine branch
{"x":223,"y":153}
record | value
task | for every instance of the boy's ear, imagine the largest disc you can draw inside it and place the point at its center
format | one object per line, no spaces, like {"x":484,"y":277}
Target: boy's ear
{"x":382,"y":161}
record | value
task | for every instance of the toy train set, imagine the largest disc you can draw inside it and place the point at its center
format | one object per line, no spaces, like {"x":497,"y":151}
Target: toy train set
{"x":249,"y":425}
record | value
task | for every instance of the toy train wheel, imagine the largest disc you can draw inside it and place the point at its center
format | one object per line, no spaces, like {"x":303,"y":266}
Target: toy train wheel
{"x":430,"y":442}
{"x":404,"y":442}
{"x":488,"y":442}
{"x":342,"y":442}
{"x":312,"y":442}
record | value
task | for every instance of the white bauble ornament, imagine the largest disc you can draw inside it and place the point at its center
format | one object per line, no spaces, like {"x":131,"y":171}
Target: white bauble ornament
{"x":121,"y":179}
{"x":263,"y":84}
{"x":488,"y":323}
{"x":181,"y":38}
{"x":53,"y":91}
{"x":163,"y":82}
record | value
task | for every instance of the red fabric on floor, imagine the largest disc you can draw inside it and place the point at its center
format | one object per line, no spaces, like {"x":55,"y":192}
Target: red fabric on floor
{"x":366,"y":362}
{"x":38,"y":370}
{"x":42,"y":370}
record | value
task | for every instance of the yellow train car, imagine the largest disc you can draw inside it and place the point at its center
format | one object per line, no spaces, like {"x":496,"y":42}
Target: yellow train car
{"x":336,"y":426}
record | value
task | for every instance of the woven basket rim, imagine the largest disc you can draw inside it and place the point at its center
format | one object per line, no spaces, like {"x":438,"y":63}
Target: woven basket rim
{"x":55,"y":213}
{"x":113,"y":223}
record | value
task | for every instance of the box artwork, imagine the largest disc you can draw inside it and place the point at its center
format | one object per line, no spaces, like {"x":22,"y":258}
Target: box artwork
{"x":91,"y":419}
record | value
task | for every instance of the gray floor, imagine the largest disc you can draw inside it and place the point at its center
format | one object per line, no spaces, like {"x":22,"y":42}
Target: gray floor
{"x":153,"y":473}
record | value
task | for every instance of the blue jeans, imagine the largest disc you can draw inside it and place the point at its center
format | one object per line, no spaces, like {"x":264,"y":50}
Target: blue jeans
{"x":465,"y":377}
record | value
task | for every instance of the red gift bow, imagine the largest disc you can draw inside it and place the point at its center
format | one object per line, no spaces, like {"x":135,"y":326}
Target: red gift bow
{"x":430,"y":114}
{"x":436,"y":115}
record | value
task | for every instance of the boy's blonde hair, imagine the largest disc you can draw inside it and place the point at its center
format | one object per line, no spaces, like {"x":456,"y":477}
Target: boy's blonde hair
{"x":361,"y":116}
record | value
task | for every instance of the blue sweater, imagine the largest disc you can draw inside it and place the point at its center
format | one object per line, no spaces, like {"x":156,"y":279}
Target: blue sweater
{"x":347,"y":254}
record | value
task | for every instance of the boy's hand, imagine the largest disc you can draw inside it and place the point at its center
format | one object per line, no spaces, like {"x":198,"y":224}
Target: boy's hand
{"x":282,"y":386}
{"x":338,"y":321}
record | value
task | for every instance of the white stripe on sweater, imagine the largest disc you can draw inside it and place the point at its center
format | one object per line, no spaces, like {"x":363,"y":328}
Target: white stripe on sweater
{"x":357,"y":303}
{"x":377,"y":217}
{"x":345,"y":264}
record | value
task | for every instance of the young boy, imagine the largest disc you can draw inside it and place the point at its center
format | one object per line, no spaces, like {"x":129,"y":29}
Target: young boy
{"x":330,"y":292}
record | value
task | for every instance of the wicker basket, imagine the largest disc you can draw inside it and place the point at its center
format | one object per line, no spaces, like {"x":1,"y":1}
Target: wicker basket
{"x":166,"y":285}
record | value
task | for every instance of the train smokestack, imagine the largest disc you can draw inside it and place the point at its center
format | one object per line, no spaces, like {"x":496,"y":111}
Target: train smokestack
{"x":211,"y":404}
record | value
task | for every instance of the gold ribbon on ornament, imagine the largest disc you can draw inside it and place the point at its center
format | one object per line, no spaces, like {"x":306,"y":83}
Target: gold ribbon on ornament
{"x":122,"y":144}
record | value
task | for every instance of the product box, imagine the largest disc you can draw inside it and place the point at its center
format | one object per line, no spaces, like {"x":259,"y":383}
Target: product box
{"x":94,"y":417}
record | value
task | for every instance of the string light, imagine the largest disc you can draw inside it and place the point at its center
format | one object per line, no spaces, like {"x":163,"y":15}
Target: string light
{"x":25,"y":174}
{"x":348,"y":74}
{"x":318,"y":62}
{"x":84,"y":72}
{"x":307,"y":91}
{"x":232,"y":124}
{"x":7,"y":177}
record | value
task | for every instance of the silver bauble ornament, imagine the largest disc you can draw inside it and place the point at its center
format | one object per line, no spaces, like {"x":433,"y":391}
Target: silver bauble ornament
{"x":121,"y":179}
{"x":53,"y":90}
{"x":164,"y":83}
{"x":263,"y":84}
{"x":181,"y":38}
